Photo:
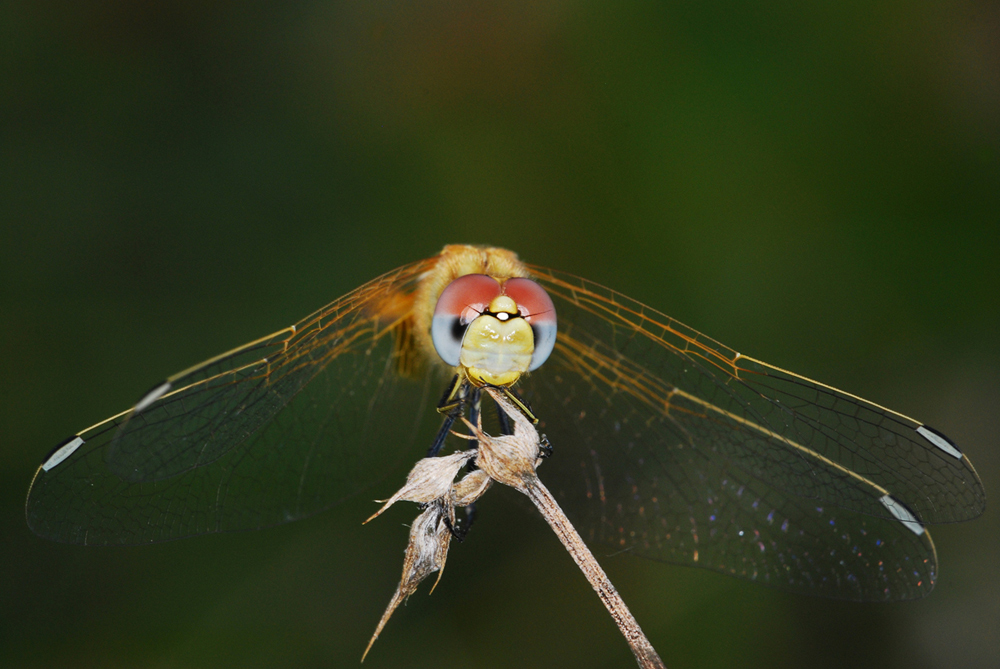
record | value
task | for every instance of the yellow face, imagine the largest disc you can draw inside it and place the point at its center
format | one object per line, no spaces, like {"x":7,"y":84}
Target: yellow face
{"x":497,"y":346}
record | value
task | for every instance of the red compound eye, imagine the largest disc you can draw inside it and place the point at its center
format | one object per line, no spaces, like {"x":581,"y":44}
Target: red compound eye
{"x":461,"y":302}
{"x":535,"y":306}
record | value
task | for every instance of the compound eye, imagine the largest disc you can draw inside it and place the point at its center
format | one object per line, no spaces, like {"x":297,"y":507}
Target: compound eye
{"x":460,"y":303}
{"x":535,"y":306}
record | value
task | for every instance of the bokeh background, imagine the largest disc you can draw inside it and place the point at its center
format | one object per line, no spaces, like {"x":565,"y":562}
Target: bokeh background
{"x":814,"y":184}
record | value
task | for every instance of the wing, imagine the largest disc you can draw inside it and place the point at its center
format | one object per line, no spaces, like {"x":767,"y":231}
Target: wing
{"x":683,"y":450}
{"x":270,"y":432}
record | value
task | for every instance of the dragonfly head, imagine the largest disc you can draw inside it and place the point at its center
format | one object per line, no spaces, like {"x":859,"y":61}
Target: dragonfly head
{"x":494,"y":331}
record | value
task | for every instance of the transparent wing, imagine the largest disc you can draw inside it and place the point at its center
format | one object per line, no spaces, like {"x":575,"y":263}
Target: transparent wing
{"x":678,"y":448}
{"x":275,"y":430}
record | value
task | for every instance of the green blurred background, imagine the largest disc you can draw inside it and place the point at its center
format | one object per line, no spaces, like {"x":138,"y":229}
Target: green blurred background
{"x":816,"y":186}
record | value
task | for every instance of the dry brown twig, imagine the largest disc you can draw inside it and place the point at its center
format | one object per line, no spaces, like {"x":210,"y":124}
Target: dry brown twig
{"x":510,"y":460}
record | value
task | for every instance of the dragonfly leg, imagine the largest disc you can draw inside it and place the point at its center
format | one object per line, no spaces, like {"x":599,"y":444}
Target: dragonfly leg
{"x":521,"y":404}
{"x":438,"y":443}
{"x":505,"y":420}
{"x":544,"y":447}
{"x":505,"y":426}
{"x":475,"y":407}
{"x":452,"y":405}
{"x":474,"y":410}
{"x":454,"y":394}
{"x":462,"y":526}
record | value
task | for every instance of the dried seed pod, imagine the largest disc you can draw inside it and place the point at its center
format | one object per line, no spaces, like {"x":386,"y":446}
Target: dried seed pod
{"x":430,"y":479}
{"x":471,"y":487}
{"x":426,"y":553}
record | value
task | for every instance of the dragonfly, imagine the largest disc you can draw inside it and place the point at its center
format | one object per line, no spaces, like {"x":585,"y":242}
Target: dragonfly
{"x":665,"y":443}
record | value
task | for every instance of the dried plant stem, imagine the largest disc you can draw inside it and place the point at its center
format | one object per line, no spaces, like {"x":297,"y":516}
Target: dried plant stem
{"x":511,"y":460}
{"x":644,"y":652}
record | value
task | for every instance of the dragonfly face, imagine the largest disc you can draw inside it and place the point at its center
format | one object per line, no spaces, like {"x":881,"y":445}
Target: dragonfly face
{"x":667,"y":444}
{"x":494,"y":332}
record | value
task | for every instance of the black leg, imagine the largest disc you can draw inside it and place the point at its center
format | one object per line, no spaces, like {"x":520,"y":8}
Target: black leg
{"x":544,"y":447}
{"x":463,"y":525}
{"x":452,"y":405}
{"x":449,"y":420}
{"x":505,"y":426}
{"x":475,"y":407}
{"x":452,"y":392}
{"x":471,"y":513}
{"x":474,"y":411}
